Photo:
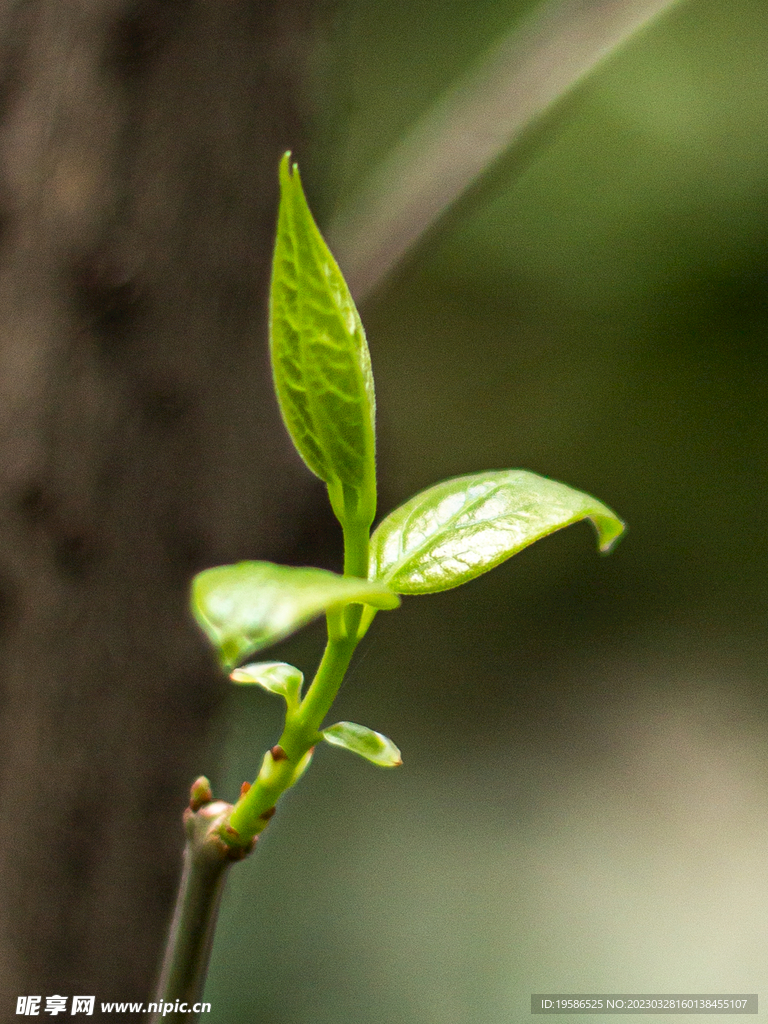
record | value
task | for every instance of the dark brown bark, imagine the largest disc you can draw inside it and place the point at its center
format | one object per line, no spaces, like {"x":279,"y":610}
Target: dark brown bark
{"x":139,"y":442}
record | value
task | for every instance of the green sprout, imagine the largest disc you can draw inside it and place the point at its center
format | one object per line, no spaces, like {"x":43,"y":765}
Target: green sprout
{"x":445,"y":536}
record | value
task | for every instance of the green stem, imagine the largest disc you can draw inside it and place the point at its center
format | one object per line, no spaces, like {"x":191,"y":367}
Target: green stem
{"x":188,"y":949}
{"x":356,"y":537}
{"x":356,"y":544}
{"x":286,"y":762}
{"x":330,"y":673}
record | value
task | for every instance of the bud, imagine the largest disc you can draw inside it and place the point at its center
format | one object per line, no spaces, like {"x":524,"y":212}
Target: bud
{"x":200,"y":793}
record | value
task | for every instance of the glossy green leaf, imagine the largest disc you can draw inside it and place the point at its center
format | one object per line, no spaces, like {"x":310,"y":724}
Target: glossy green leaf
{"x":320,"y":358}
{"x":274,"y":676}
{"x":461,"y":528}
{"x":248,"y":606}
{"x":373,"y":746}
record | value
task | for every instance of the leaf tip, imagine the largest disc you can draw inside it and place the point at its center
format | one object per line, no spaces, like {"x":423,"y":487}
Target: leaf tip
{"x":609,"y":532}
{"x":285,"y":164}
{"x":289,"y":173}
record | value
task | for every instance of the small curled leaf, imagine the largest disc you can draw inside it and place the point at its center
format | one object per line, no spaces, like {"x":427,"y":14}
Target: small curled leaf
{"x":245,"y":607}
{"x":373,"y":746}
{"x":461,"y":528}
{"x":274,"y":676}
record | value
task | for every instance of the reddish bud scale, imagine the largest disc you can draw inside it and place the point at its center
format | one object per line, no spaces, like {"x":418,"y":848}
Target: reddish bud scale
{"x":244,"y":788}
{"x":278,"y":754}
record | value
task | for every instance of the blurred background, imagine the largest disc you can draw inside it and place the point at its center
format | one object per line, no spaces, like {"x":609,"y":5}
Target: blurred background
{"x":583,"y":805}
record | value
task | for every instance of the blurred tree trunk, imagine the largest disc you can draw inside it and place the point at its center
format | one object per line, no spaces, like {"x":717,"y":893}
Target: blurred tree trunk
{"x":139,"y":440}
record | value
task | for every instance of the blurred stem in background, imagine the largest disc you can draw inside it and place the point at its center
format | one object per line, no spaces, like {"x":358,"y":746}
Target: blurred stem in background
{"x":527,"y":71}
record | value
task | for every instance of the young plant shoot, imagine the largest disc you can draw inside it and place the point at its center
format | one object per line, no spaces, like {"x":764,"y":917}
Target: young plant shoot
{"x":443,"y":537}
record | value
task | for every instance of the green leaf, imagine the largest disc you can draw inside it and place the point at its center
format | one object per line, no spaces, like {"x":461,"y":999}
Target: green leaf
{"x":461,"y":528}
{"x":248,"y":606}
{"x":274,"y":676}
{"x":320,"y":358}
{"x":373,"y":746}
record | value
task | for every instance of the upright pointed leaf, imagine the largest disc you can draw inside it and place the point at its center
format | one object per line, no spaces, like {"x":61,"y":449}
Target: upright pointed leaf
{"x":320,"y":358}
{"x":248,"y":606}
{"x":361,"y":740}
{"x":458,"y":529}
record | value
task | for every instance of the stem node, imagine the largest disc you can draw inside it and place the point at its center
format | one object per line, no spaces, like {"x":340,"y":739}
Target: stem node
{"x":207,"y":856}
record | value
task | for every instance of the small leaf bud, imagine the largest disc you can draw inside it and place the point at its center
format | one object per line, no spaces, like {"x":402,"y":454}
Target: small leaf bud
{"x":200,"y":793}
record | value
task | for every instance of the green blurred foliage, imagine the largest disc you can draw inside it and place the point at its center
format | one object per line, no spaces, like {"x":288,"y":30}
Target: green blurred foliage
{"x":584,"y":798}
